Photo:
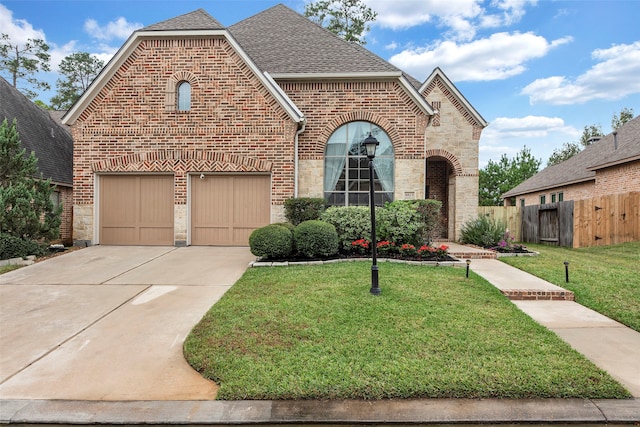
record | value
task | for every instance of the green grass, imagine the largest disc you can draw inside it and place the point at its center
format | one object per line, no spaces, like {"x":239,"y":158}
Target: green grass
{"x":8,"y":268}
{"x":315,"y":332}
{"x":605,"y":279}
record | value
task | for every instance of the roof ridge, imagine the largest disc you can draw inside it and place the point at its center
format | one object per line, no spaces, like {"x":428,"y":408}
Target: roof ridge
{"x":198,"y":19}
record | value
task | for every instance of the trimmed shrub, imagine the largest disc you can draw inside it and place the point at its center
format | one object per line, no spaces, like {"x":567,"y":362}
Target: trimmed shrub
{"x":15,"y":247}
{"x":303,"y":209}
{"x":399,"y":222}
{"x":351,"y":222}
{"x":273,"y":241}
{"x":483,"y":231}
{"x":431,"y":213}
{"x":315,"y":239}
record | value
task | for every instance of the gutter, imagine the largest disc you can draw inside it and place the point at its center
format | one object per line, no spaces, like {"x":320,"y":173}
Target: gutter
{"x":296,"y":170}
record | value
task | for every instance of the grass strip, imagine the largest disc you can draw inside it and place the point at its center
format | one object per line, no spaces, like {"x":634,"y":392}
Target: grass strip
{"x":605,"y":278}
{"x":315,"y":332}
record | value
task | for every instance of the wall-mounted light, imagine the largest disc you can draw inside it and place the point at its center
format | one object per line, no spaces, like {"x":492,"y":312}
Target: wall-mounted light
{"x":201,"y":176}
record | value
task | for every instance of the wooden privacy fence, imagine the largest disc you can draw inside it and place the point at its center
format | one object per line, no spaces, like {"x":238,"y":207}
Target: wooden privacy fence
{"x":510,"y":215}
{"x":599,"y":221}
{"x":606,"y":220}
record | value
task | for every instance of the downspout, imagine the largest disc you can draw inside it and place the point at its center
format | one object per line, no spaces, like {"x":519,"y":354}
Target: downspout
{"x":301,"y":127}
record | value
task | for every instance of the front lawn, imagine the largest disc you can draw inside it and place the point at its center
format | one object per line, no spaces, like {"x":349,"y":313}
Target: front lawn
{"x":605,"y":279}
{"x":315,"y":332}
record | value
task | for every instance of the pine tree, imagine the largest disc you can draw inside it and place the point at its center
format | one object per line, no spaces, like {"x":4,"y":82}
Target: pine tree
{"x":26,"y":209}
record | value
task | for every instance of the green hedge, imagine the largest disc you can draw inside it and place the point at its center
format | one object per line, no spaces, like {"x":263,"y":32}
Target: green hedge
{"x":316,"y":239}
{"x":273,"y":241}
{"x":15,"y":247}
{"x":351,"y":222}
{"x":298,"y":210}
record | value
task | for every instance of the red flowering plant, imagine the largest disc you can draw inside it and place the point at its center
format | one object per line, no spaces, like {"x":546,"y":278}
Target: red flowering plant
{"x":386,"y":247}
{"x":430,"y":252}
{"x":426,"y":251}
{"x":360,"y":246}
{"x":442,"y":251}
{"x":408,"y":250}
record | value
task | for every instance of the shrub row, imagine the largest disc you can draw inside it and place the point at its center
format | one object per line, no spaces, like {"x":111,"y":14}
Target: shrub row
{"x":309,"y":239}
{"x":15,"y":247}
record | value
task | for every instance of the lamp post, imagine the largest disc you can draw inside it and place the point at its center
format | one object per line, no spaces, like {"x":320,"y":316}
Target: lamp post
{"x":370,"y":144}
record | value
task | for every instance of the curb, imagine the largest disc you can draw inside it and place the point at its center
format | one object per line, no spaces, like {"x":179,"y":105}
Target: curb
{"x":413,"y":411}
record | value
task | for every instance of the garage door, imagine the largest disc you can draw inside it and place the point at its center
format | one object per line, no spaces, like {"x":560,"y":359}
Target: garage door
{"x":225,"y":209}
{"x":136,"y":210}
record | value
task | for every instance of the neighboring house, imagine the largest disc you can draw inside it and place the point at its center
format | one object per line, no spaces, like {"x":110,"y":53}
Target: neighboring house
{"x":196,"y":134}
{"x":42,"y":132}
{"x":608,"y":166}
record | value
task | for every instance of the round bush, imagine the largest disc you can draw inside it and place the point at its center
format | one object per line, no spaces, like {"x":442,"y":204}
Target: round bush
{"x":272,"y":241}
{"x":15,"y":247}
{"x":315,"y":239}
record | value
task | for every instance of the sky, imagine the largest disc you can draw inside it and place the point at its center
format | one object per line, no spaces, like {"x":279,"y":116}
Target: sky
{"x":538,"y":71}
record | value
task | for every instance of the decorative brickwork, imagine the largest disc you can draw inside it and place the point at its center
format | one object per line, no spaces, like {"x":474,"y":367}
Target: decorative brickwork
{"x":437,"y":82}
{"x":453,"y":160}
{"x":328,"y":105}
{"x":538,"y":295}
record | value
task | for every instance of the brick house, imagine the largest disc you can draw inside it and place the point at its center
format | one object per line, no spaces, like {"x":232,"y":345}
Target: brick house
{"x":196,"y":134}
{"x":43,"y":133}
{"x":609,"y":166}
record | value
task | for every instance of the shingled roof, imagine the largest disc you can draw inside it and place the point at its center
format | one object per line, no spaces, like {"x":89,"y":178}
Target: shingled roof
{"x":582,"y":166}
{"x":281,"y":41}
{"x":196,"y":20}
{"x":40,"y":133}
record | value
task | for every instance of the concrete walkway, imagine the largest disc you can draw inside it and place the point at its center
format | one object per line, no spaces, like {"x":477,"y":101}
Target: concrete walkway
{"x":94,"y":338}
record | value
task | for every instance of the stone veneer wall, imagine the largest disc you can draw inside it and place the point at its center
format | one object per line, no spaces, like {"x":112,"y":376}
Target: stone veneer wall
{"x":454,"y":135}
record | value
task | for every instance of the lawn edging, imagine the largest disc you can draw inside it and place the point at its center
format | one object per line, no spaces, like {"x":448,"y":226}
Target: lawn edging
{"x":455,"y":263}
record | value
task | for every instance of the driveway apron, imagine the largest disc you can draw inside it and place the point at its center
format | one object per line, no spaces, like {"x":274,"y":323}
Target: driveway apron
{"x":108,"y":323}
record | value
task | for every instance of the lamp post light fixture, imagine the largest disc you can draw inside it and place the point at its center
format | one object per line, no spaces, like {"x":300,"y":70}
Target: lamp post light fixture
{"x":468,"y":264}
{"x":370,"y":144}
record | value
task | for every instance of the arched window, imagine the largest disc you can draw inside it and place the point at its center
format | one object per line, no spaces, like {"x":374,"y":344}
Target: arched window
{"x":184,"y":96}
{"x":346,"y":166}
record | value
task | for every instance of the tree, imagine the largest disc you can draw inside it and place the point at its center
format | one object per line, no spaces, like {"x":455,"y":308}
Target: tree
{"x":26,"y":209}
{"x":348,"y":19}
{"x":626,"y":114}
{"x":24,"y":61}
{"x":498,"y":178}
{"x":559,"y":155}
{"x":79,"y":69}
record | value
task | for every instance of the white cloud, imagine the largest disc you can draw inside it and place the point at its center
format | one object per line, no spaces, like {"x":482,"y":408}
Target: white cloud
{"x":613,"y":77}
{"x":18,"y":30}
{"x":118,"y":29}
{"x":500,"y":56}
{"x":460,"y":18}
{"x":508,"y":135}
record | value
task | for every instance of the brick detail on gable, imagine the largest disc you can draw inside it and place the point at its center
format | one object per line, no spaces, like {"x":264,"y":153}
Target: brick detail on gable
{"x":327,"y":105}
{"x":182,"y":160}
{"x":453,"y":160}
{"x":437,"y":82}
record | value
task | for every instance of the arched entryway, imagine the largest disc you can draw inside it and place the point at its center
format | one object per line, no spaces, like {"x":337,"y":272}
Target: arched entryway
{"x":441,"y":169}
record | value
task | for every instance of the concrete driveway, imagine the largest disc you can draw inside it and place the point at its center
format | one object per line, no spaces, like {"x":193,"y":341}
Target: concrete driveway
{"x":108,"y":322}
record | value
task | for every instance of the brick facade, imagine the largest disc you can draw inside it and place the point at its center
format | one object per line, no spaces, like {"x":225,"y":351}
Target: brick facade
{"x":236,"y":125}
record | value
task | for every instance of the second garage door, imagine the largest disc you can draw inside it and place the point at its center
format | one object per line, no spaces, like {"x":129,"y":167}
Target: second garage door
{"x":136,"y":210}
{"x":225,"y":209}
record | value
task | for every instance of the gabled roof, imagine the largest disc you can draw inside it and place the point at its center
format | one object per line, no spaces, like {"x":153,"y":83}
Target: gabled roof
{"x":581,"y":167}
{"x":289,"y":46}
{"x":196,"y":20}
{"x":40,"y":133}
{"x":281,"y":41}
{"x":176,"y":28}
{"x":438,"y":73}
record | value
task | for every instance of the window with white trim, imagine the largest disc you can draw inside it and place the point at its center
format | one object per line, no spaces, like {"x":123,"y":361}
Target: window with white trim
{"x":346,"y":166}
{"x":184,"y":96}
